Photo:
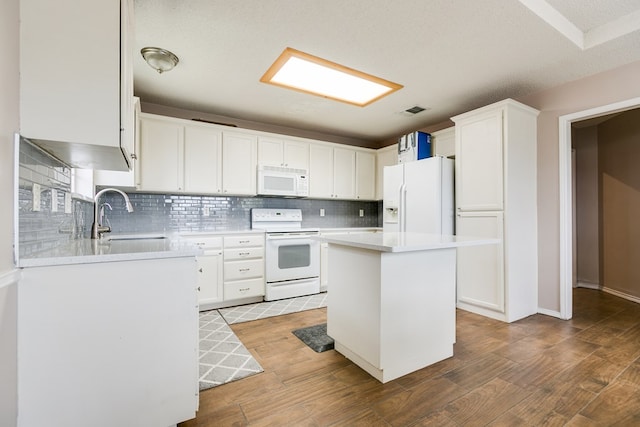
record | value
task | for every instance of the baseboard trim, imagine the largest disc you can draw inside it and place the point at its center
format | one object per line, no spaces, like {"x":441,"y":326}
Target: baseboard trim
{"x":588,"y":285}
{"x":10,"y":277}
{"x":620,"y":294}
{"x":551,"y":313}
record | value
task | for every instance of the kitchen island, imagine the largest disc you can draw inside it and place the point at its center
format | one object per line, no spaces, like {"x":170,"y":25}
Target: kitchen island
{"x":392,"y":305}
{"x":108,"y":334}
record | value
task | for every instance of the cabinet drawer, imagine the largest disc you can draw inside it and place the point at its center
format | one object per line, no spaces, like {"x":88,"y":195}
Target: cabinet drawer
{"x":205,"y":242}
{"x":244,"y":289}
{"x":243,"y":241}
{"x":243,"y":253}
{"x":238,"y":270}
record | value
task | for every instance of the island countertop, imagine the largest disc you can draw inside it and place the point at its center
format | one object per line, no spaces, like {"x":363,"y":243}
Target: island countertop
{"x":405,"y":241}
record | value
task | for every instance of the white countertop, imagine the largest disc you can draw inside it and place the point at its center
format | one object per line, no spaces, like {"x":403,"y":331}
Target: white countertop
{"x":404,"y":242}
{"x":86,"y":251}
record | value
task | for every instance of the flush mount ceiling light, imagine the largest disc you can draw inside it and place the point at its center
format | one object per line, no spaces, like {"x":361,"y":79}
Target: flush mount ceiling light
{"x":307,"y":73}
{"x":159,"y":59}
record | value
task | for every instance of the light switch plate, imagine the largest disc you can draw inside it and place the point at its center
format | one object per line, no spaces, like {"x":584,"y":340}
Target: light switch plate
{"x":35,"y":190}
{"x":321,"y":212}
{"x":361,"y":213}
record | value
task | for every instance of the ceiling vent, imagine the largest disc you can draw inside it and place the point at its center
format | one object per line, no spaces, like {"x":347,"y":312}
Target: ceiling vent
{"x":414,"y":110}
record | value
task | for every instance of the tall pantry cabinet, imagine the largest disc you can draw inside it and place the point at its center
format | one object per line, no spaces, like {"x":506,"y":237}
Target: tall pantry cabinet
{"x":496,"y":196}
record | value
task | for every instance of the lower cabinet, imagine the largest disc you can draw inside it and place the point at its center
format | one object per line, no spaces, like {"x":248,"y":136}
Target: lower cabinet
{"x":480,"y":281}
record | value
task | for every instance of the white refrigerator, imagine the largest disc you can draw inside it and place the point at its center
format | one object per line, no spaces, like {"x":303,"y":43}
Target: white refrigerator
{"x":418,"y":196}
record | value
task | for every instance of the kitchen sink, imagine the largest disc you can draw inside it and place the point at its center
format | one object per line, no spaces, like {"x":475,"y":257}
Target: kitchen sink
{"x":136,"y":237}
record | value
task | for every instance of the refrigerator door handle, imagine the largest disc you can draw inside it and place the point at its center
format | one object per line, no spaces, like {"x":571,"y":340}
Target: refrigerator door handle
{"x":402,"y":208}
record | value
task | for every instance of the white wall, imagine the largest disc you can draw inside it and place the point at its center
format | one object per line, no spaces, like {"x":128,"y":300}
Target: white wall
{"x":606,"y":88}
{"x":9,"y":121}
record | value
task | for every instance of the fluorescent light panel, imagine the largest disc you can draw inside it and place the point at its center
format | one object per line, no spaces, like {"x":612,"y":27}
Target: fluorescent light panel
{"x":307,"y":73}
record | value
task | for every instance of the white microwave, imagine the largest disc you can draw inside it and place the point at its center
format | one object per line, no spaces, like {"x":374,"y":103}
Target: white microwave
{"x":286,"y":182}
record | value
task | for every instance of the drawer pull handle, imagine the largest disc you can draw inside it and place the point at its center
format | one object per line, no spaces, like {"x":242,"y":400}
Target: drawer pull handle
{"x":242,"y":270}
{"x":244,"y":289}
{"x":244,"y":253}
{"x":243,"y":241}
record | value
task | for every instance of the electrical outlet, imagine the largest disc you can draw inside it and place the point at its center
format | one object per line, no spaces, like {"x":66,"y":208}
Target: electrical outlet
{"x":205,"y":211}
{"x":36,"y":197}
{"x":321,"y":212}
{"x":361,"y":213}
{"x":67,"y":203}
{"x":54,"y":200}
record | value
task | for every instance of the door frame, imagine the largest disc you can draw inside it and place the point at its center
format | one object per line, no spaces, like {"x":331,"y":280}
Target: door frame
{"x":566,"y":194}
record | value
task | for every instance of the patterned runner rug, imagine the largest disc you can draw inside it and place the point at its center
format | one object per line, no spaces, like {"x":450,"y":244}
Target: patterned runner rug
{"x":246,"y":313}
{"x":223,"y":358}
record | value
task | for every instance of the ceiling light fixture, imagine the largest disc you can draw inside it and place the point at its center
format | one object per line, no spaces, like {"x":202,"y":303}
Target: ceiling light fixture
{"x":159,"y":59}
{"x":310,"y":74}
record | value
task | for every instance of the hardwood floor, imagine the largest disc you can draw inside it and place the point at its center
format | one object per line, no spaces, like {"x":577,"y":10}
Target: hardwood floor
{"x":537,"y":371}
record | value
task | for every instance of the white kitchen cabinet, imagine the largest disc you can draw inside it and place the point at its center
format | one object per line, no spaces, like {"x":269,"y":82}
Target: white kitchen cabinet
{"x":182,"y":156}
{"x":444,"y":142}
{"x":365,"y":175}
{"x":202,"y":159}
{"x":282,"y":152}
{"x":344,"y":173}
{"x":209,"y":269}
{"x":321,"y":171}
{"x":76,"y":80}
{"x":387,"y":156}
{"x":479,"y":178}
{"x":124,"y":179}
{"x":481,"y":281}
{"x":496,"y":196}
{"x":161,"y":159}
{"x":239,"y":161}
{"x":332,"y":172}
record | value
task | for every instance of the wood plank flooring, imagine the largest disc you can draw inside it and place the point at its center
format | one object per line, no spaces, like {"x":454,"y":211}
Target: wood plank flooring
{"x":534,"y":372}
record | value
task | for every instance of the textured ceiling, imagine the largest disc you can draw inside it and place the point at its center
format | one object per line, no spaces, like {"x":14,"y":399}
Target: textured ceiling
{"x":450,"y":55}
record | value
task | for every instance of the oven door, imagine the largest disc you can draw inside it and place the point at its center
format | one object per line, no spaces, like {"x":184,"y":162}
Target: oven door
{"x":291,"y":256}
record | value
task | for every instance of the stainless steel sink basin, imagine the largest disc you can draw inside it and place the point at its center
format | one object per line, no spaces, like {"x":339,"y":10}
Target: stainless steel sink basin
{"x":136,"y":237}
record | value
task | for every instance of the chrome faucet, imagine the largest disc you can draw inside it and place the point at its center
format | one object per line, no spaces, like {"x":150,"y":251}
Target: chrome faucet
{"x":98,"y":229}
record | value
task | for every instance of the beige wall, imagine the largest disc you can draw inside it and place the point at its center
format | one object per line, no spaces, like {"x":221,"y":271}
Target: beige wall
{"x":9,"y":80}
{"x":601,"y":89}
{"x":587,"y":253}
{"x":619,"y":167}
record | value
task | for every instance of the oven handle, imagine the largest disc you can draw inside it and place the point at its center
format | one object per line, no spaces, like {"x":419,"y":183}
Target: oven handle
{"x":289,"y":236}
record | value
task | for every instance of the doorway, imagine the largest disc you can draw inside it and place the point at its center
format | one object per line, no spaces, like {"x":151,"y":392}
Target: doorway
{"x":566,"y":195}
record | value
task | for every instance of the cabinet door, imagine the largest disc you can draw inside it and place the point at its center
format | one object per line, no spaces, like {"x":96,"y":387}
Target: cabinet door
{"x":210,"y":281}
{"x":365,"y":175}
{"x":444,"y":142}
{"x":270,"y":151}
{"x":384,"y":157}
{"x":479,"y":163}
{"x":480,"y":271}
{"x":202,"y":159}
{"x":296,"y":154}
{"x":161,"y":155}
{"x":239,"y":161}
{"x":344,"y":173}
{"x":70,"y":79}
{"x":320,"y":171}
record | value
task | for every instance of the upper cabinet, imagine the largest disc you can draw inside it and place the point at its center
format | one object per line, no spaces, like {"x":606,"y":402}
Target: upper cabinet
{"x":387,"y":156}
{"x":75,"y":67}
{"x":332,"y":172}
{"x":179,"y":155}
{"x":365,"y":175}
{"x":281,"y":152}
{"x":444,"y":142}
